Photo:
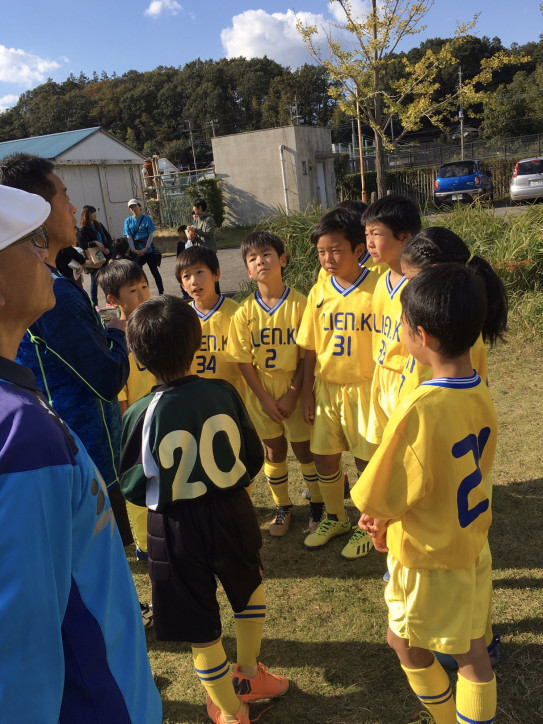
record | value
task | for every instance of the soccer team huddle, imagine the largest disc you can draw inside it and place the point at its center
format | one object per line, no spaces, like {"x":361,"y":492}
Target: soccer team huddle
{"x":385,"y":359}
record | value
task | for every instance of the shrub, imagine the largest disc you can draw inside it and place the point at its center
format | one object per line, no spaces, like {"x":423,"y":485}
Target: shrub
{"x":210,"y":190}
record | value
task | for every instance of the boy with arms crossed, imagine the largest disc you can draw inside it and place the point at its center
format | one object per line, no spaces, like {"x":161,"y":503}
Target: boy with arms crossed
{"x":197,"y":270}
{"x":390,"y":222}
{"x":189,"y":450}
{"x":263,"y":341}
{"x":425,"y":498}
{"x":336,"y":332}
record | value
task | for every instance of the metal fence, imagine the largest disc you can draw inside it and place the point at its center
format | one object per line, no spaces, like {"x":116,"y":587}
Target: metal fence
{"x":167,"y":195}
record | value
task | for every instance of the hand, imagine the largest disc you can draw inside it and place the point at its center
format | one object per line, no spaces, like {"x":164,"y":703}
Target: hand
{"x":117,"y":323}
{"x":99,"y":245}
{"x":308,"y":408}
{"x":269,"y":405}
{"x":287,"y":403}
{"x":377,"y":529}
{"x":106,"y":251}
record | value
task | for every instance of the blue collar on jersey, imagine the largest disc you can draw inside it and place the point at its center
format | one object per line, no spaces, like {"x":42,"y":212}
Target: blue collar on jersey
{"x":345,"y":291}
{"x":396,"y":289}
{"x":271,"y":310}
{"x":205,"y":317}
{"x":455,"y":383}
{"x":365,"y":258}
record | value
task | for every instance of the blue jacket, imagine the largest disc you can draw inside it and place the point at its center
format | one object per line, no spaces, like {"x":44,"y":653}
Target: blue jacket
{"x":72,"y":640}
{"x":80,"y":367}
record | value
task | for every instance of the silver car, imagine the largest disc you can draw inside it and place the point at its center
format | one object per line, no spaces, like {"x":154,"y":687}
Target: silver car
{"x":527,"y":181}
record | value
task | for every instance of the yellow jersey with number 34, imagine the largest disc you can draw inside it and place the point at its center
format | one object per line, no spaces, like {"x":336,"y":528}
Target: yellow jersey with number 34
{"x":337,"y":324}
{"x":388,"y":348}
{"x":431,"y":474}
{"x":266,"y":336}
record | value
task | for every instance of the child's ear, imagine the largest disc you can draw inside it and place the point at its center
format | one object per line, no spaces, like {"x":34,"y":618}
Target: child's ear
{"x":112,"y":300}
{"x":405,"y":236}
{"x":217,"y":275}
{"x":283,"y":260}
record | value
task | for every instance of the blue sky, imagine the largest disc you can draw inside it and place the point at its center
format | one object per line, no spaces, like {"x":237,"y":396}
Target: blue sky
{"x":40,"y":40}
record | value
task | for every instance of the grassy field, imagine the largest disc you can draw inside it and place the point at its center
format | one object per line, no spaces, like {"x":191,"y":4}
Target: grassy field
{"x":326,"y":621}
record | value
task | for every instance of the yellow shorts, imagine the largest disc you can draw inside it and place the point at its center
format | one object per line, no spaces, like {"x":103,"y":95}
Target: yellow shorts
{"x":440,"y":609}
{"x":294,"y":428}
{"x":384,"y":398}
{"x":341,"y":419}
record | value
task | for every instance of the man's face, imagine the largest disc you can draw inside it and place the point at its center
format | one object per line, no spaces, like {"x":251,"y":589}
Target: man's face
{"x":26,"y":284}
{"x":197,"y":211}
{"x":60,"y":223}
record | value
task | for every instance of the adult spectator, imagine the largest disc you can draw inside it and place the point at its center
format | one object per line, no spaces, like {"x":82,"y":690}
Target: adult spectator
{"x":73,"y":646}
{"x":139,"y":229}
{"x":203,"y":228}
{"x":80,"y":366}
{"x":93,"y":234}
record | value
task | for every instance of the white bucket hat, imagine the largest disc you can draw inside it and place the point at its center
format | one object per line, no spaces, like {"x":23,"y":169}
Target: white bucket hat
{"x":132,"y":202}
{"x":20,"y":214}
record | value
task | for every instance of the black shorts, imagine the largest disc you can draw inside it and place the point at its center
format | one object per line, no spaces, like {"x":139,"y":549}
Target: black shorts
{"x":188,"y":545}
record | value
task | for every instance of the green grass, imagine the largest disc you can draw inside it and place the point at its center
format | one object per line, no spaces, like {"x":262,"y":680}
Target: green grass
{"x":326,"y":621}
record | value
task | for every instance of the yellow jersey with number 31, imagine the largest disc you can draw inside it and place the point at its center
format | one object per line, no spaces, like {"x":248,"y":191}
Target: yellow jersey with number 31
{"x":431,"y":474}
{"x":266,"y":336}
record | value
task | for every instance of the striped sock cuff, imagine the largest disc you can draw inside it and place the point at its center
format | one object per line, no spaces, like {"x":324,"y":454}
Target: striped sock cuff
{"x":439,"y":699}
{"x":252,"y":612}
{"x":278,"y":480}
{"x":217,"y":672}
{"x":330,"y":479}
{"x":461,"y":719}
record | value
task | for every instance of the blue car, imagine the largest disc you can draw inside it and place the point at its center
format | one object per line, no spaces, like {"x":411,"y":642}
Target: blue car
{"x":463,"y":181}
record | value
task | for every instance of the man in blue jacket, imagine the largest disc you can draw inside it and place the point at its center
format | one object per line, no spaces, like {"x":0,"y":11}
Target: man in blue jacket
{"x":79,"y":365}
{"x":72,"y":642}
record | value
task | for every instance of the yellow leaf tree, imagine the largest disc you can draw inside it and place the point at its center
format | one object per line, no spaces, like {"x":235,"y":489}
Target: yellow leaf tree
{"x":363,"y":60}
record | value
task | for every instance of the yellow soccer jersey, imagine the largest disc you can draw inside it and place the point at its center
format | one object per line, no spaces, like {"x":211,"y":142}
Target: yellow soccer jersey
{"x":366,"y":261}
{"x":210,"y":360}
{"x":266,"y":337}
{"x":414,"y":373}
{"x":337,"y":324}
{"x":388,"y":347}
{"x":138,"y":384}
{"x":431,"y":474}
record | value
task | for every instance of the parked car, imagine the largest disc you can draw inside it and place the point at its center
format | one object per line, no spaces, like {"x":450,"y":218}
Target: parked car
{"x":463,"y":181}
{"x":527,"y":181}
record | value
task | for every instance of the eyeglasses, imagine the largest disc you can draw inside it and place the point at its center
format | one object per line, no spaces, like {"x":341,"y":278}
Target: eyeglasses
{"x":39,"y":238}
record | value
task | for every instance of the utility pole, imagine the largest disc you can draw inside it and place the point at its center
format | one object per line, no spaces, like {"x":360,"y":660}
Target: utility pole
{"x":192,"y":144}
{"x":363,"y":194}
{"x":212,"y":124}
{"x":461,"y":114}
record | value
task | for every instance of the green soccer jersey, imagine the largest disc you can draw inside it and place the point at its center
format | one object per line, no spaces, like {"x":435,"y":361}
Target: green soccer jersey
{"x":185,"y":439}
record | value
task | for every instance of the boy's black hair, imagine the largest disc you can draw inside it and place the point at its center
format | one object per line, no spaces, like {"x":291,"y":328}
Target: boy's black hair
{"x":353,"y":205}
{"x":28,"y":173}
{"x":121,"y":246}
{"x":181,"y":228}
{"x":260,"y":240}
{"x":196,"y":255}
{"x":200,"y":204}
{"x":344,"y":221}
{"x":438,"y":245}
{"x":449,"y":302}
{"x":117,"y":273}
{"x":163,"y":334}
{"x":399,"y":213}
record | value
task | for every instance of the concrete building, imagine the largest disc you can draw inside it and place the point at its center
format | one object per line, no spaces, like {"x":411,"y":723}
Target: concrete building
{"x":96,"y":167}
{"x":290,"y":167}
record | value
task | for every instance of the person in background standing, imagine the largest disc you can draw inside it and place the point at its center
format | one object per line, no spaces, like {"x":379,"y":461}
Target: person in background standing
{"x":139,"y":230}
{"x":93,"y":234}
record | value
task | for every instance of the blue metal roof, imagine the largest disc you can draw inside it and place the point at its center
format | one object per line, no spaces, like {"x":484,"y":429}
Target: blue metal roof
{"x":49,"y":146}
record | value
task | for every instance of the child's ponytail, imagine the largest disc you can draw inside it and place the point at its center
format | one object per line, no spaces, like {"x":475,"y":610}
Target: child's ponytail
{"x":495,"y":323}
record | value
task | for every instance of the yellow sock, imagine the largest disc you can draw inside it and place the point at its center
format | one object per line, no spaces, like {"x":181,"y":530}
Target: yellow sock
{"x":250,"y":489}
{"x":475,"y":702}
{"x":213,"y":671}
{"x":138,"y":519}
{"x":249,"y":625}
{"x":331,"y":487}
{"x":277,"y":477}
{"x":433,"y":688}
{"x":311,"y":479}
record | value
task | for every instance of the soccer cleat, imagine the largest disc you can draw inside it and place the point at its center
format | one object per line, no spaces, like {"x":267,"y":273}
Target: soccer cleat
{"x":216,"y":715}
{"x":424,"y":718}
{"x":316,"y":514}
{"x":327,"y":530}
{"x":141,"y":555}
{"x":281,"y":522}
{"x":262,"y":686}
{"x":449,"y":662}
{"x":359,"y":545}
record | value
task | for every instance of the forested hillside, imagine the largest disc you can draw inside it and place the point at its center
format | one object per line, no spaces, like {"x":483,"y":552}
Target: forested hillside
{"x":155,"y":111}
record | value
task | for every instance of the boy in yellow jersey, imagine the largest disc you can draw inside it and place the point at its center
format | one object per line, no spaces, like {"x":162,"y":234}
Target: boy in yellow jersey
{"x":263,"y":342}
{"x":197,"y":270}
{"x":425,"y":499}
{"x":125,"y":286}
{"x":336,"y":333}
{"x":389,"y":222}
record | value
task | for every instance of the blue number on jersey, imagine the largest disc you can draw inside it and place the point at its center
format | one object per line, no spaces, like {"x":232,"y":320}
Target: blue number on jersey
{"x":474,"y":445}
{"x":271,"y":355}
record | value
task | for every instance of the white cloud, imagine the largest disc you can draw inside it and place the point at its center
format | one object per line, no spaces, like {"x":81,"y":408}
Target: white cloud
{"x":255,"y":33}
{"x":18,"y":66}
{"x":157,"y":7}
{"x":7,"y":102}
{"x":359,"y":8}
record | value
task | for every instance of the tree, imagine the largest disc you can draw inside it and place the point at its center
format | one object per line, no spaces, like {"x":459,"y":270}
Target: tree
{"x":365,"y":70}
